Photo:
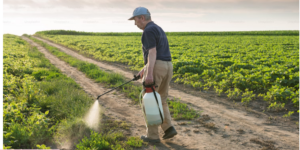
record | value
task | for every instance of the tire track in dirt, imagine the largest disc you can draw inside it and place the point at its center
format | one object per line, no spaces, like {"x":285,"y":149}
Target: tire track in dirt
{"x":220,"y":114}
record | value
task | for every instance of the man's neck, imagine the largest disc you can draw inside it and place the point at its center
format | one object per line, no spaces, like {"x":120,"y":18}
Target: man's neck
{"x":147,"y":23}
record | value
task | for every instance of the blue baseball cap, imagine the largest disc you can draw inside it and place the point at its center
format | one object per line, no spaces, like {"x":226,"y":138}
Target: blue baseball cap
{"x":139,"y":11}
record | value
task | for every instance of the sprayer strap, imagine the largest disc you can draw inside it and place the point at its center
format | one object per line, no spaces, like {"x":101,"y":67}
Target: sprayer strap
{"x":162,"y":120}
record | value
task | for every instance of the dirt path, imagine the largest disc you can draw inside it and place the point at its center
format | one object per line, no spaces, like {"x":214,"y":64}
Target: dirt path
{"x":236,"y":128}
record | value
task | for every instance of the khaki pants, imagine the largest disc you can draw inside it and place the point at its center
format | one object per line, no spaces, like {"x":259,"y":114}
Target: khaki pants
{"x":162,"y":75}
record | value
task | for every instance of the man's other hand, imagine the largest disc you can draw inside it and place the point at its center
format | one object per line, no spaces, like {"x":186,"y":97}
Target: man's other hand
{"x":149,"y":79}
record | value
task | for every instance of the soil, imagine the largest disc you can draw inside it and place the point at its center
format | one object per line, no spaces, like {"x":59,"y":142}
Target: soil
{"x":223,"y":124}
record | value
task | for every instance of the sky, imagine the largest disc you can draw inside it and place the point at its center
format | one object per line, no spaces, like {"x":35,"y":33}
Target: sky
{"x":30,"y":16}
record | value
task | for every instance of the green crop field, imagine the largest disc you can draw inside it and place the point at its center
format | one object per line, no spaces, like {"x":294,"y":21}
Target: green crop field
{"x":37,"y":98}
{"x":244,"y":65}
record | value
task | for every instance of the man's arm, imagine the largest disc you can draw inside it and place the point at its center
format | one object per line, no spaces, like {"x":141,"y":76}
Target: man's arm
{"x":150,"y":65}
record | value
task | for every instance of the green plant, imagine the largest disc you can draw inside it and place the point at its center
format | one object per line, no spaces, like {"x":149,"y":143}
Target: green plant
{"x":42,"y":146}
{"x":135,"y":142}
{"x":233,"y":94}
{"x":247,"y":96}
{"x":95,"y":141}
{"x":113,"y":140}
{"x":288,"y":114}
{"x":6,"y":147}
{"x":181,"y":110}
{"x":276,"y":106}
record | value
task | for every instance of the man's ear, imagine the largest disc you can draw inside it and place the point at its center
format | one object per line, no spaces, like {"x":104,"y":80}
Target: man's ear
{"x":143,"y":17}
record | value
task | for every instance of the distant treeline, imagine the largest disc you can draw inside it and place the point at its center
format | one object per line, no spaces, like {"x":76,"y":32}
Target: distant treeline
{"x":70,"y":32}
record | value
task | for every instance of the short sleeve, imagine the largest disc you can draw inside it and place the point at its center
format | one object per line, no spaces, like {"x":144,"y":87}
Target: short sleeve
{"x":149,"y":40}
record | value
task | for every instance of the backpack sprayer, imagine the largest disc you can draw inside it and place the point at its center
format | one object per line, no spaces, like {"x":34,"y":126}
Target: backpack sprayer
{"x":150,"y":103}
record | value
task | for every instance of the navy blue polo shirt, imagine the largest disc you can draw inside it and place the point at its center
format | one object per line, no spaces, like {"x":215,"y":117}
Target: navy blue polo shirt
{"x":154,"y":36}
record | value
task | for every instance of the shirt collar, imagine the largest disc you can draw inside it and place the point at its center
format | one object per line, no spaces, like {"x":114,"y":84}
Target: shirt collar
{"x":151,"y":22}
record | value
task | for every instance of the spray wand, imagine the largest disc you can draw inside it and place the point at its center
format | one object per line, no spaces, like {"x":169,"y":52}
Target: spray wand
{"x":134,"y":79}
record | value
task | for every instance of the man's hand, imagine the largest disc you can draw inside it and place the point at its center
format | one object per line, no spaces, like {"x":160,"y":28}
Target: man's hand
{"x":149,"y":79}
{"x":141,"y":73}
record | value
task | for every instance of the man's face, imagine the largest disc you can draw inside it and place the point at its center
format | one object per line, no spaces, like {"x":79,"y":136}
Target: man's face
{"x":138,"y":22}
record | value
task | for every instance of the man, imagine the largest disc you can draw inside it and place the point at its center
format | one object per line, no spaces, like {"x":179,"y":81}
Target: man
{"x":158,"y":68}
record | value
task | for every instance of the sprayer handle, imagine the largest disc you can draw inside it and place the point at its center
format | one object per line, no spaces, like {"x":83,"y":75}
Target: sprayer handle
{"x":149,"y":85}
{"x":136,"y":77}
